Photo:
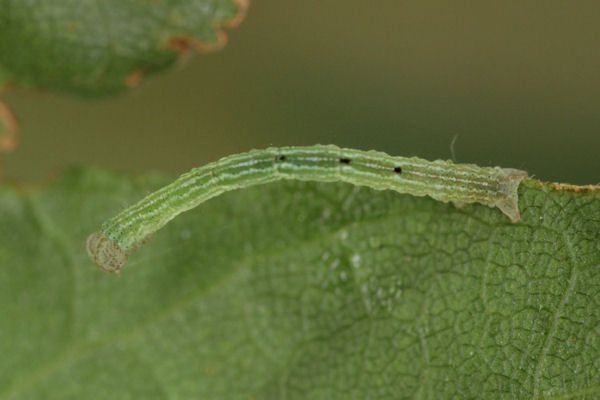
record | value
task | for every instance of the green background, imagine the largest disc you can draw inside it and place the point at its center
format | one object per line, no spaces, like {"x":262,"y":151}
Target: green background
{"x":517,"y":82}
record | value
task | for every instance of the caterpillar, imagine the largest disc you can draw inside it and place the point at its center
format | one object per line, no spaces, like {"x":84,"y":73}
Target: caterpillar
{"x":442,"y":180}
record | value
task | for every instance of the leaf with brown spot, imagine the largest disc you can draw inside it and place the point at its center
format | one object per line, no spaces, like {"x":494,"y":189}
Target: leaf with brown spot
{"x":95,"y":49}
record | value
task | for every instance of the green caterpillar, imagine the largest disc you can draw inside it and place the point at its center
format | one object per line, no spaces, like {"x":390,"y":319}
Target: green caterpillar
{"x":443,"y":180}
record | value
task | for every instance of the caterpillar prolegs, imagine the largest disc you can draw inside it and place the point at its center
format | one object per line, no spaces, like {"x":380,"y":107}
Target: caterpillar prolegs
{"x":442,"y":180}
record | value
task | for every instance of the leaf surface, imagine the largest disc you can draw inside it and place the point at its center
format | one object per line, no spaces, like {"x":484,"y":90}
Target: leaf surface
{"x":98,"y":48}
{"x":301,"y":291}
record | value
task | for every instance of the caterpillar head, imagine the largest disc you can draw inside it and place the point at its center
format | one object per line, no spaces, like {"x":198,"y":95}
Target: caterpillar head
{"x":107,"y":254}
{"x":508,"y":201}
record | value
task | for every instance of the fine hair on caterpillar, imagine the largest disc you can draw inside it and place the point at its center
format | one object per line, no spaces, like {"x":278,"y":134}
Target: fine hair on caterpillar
{"x":445,"y":181}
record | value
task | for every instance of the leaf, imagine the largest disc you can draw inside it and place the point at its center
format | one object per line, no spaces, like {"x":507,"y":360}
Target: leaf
{"x":99,"y":48}
{"x":301,"y":291}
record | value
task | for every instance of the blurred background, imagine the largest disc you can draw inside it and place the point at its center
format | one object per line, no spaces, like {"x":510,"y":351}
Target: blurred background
{"x":518,"y":84}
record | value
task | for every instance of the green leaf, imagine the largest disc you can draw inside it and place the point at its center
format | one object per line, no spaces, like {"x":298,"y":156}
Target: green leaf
{"x":301,"y":291}
{"x":98,"y":48}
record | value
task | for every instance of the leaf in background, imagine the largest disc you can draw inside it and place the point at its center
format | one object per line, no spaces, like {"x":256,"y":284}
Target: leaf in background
{"x":99,"y":48}
{"x":301,"y":291}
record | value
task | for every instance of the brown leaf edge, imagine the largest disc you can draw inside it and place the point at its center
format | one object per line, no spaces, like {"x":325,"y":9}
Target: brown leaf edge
{"x":570,"y":187}
{"x":185,"y":44}
{"x":8,"y":129}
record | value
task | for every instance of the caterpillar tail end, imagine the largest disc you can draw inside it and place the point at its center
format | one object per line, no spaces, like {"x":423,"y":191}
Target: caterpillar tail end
{"x":108,"y":255}
{"x":508,"y":202}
